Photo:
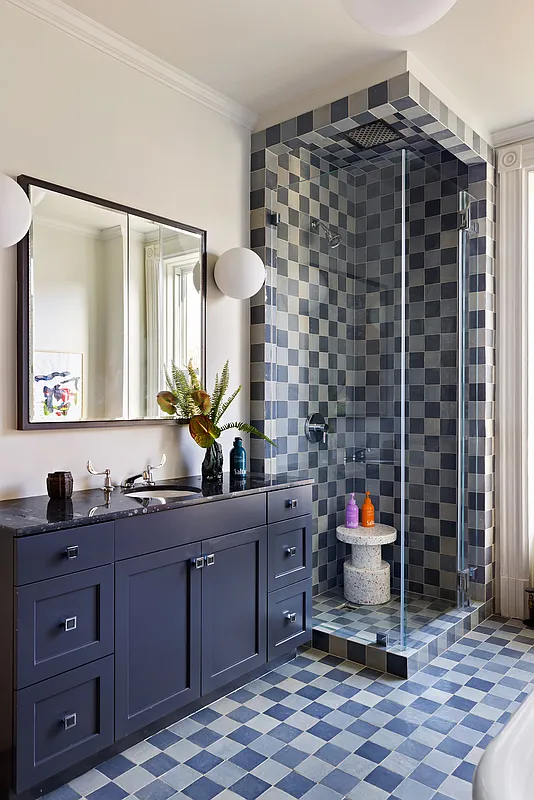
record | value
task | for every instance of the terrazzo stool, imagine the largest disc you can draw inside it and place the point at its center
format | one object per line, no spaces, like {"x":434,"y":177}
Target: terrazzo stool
{"x":367,"y":577}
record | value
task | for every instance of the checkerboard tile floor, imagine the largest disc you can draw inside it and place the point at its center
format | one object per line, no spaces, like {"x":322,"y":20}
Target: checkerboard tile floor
{"x":426,"y":618}
{"x":319,"y":728}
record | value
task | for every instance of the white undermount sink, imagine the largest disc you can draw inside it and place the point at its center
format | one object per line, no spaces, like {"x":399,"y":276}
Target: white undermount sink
{"x":163,"y":493}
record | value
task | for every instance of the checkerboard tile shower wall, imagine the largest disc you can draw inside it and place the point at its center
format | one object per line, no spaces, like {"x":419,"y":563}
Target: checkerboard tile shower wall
{"x":423,"y":120}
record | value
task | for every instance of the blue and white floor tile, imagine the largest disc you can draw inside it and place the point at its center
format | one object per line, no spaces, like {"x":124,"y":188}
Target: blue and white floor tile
{"x":320,"y":728}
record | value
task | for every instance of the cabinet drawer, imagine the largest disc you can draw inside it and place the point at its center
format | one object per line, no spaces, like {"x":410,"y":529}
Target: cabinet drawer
{"x":290,"y":552}
{"x":290,"y":618}
{"x":62,"y":721}
{"x":63,"y":623}
{"x":289,"y":503}
{"x":152,"y":532}
{"x":49,"y":555}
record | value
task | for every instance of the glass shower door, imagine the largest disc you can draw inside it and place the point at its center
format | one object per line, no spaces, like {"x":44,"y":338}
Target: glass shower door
{"x":467,"y":399}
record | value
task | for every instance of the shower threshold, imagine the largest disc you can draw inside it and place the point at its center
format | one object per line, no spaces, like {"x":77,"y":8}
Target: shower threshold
{"x":432,"y":625}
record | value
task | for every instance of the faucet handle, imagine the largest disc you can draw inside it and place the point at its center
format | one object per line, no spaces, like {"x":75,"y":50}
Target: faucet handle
{"x":147,"y":474}
{"x":161,"y":464}
{"x":108,"y":486}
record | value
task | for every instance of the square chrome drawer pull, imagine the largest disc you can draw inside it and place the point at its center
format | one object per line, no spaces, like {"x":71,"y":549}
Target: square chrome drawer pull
{"x":210,"y":560}
{"x":70,"y":624}
{"x":291,"y":551}
{"x":69,"y":721}
{"x":290,"y":616}
{"x":72,"y":552}
{"x":292,"y":503}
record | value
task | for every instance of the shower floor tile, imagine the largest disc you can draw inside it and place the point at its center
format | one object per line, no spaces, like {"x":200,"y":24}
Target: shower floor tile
{"x":431,"y":625}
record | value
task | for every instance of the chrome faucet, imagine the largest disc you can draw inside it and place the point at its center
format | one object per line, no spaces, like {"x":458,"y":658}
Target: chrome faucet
{"x":146,"y":475}
{"x":108,"y":486}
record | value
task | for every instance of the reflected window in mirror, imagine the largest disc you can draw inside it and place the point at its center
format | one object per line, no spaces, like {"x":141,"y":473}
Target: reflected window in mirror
{"x":166,"y":299}
{"x":109,"y":298}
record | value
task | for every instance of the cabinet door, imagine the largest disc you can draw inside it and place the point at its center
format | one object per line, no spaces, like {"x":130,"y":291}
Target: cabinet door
{"x":234,"y":606}
{"x":157,"y":636}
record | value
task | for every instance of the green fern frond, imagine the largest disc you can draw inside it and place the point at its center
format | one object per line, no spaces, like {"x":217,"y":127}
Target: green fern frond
{"x":225,"y":406}
{"x":181,"y":385}
{"x":214,"y":398}
{"x":246,"y":428}
{"x":225,"y":379}
{"x":193,"y":377}
{"x":221,"y":386}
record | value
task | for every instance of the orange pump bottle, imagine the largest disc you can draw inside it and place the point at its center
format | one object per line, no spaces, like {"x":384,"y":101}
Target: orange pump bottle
{"x":368,"y":512}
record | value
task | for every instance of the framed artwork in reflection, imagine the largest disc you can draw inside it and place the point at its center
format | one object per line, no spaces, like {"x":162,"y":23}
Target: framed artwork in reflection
{"x":57,"y":386}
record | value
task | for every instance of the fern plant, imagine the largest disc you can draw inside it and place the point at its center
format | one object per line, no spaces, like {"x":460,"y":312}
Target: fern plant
{"x":187,"y":400}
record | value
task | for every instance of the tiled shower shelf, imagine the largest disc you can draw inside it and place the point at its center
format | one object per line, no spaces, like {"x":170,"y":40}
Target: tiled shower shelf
{"x":432,"y":625}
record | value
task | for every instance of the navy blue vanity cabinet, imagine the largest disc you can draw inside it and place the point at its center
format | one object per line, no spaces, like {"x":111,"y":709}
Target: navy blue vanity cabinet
{"x":114,"y":629}
{"x":234,"y":606}
{"x":157,"y":635}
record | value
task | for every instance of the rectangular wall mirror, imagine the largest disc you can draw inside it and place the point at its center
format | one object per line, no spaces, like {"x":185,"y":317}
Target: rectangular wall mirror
{"x":108,"y":297}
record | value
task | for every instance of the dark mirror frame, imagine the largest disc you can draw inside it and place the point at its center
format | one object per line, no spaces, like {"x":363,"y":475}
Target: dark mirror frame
{"x":23,"y":311}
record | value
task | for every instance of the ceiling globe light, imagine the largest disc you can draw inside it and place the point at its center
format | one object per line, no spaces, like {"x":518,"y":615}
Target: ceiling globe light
{"x":397,"y":17}
{"x":239,"y":273}
{"x":15,"y":212}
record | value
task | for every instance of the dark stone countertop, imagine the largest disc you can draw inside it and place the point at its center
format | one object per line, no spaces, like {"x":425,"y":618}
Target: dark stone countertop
{"x":31,"y":515}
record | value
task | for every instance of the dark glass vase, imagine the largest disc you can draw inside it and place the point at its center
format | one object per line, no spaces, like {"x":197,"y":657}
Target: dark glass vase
{"x":212,"y":466}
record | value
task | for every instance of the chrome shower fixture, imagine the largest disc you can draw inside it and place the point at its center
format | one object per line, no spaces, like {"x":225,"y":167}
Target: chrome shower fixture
{"x":333,"y":239}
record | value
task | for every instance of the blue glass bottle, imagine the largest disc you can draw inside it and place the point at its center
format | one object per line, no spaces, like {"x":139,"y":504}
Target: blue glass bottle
{"x":238,"y":460}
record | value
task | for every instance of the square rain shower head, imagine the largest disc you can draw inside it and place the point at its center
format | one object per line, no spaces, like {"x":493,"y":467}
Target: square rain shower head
{"x":372,"y":134}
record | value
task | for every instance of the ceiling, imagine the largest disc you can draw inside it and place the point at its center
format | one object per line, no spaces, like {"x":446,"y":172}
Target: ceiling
{"x":266,"y":54}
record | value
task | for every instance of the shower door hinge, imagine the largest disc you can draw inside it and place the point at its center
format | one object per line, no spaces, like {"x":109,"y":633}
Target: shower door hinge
{"x":466,"y":223}
{"x":273,"y":218}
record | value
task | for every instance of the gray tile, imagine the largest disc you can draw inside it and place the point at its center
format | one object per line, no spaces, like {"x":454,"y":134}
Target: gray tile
{"x":181,"y":776}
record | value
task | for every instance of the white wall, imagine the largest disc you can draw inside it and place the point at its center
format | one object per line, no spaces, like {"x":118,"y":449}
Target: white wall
{"x":74,"y":116}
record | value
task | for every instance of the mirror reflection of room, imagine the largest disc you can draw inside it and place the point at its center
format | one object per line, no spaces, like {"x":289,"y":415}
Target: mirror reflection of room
{"x":115,"y":299}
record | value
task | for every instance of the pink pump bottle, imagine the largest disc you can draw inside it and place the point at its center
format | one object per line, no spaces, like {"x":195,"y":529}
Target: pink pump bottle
{"x":351,"y":514}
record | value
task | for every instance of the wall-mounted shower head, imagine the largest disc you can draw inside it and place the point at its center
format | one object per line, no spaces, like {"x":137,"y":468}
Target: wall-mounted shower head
{"x":333,"y":239}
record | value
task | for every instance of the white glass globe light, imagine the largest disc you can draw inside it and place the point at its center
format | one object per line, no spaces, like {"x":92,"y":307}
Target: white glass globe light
{"x":15,"y":212}
{"x":397,"y":17}
{"x":239,"y":273}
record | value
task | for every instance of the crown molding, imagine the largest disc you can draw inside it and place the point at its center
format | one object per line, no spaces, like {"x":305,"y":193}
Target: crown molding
{"x":517,"y":133}
{"x":67,"y":226}
{"x":81,"y":27}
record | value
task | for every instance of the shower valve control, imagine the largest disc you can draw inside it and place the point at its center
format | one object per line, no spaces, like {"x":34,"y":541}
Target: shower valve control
{"x":316,"y":428}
